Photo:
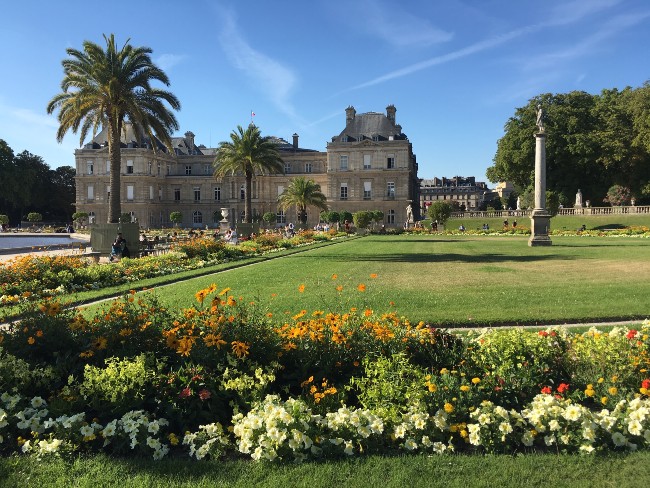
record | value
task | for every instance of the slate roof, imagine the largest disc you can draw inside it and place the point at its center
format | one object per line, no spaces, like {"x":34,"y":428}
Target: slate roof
{"x":371,"y":125}
{"x":129,"y":138}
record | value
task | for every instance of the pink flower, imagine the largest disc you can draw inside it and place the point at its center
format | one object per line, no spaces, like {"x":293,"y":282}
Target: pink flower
{"x":185,"y":392}
{"x":204,"y":394}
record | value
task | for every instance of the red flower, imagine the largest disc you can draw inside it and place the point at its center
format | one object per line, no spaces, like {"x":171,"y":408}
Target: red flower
{"x":543,"y":333}
{"x":204,"y":394}
{"x":645,"y":384}
{"x":631,"y":334}
{"x":185,"y":392}
{"x":562,"y":388}
{"x":546,"y":390}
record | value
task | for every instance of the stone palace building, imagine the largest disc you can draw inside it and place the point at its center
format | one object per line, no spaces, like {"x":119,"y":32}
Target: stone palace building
{"x":370,"y":165}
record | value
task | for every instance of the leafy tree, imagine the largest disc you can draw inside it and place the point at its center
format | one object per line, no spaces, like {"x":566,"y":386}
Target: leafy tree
{"x":62,"y":191}
{"x":345,"y":215}
{"x":270,"y":218}
{"x":330,"y":216}
{"x":439,"y":211}
{"x":125,"y":218}
{"x":34,"y":217}
{"x":176,"y":217}
{"x":617,"y":195}
{"x":4,"y":219}
{"x":377,"y":216}
{"x":109,"y":87}
{"x":362,"y":219}
{"x":249,"y":153}
{"x":302,"y":193}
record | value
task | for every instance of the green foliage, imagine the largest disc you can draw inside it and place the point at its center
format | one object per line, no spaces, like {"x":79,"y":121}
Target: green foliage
{"x":125,"y":218}
{"x":362,"y":219}
{"x":17,"y":376}
{"x":79,"y":215}
{"x":617,"y":195}
{"x":439,"y":211}
{"x":377,"y":215}
{"x":329,"y":216}
{"x":270,"y":218}
{"x":345,"y":215}
{"x":201,"y":247}
{"x":34,"y":217}
{"x":4,"y":219}
{"x":120,"y":385}
{"x":176,"y":217}
{"x":302,"y":193}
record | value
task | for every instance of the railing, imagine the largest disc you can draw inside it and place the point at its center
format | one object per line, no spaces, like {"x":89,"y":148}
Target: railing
{"x":627,"y":210}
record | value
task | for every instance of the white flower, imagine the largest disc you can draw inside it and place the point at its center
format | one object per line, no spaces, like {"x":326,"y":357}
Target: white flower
{"x":38,"y":402}
{"x":364,"y":431}
{"x":349,"y":449}
{"x":87,"y":431}
{"x":572,"y":412}
{"x":587,"y":448}
{"x":619,"y":439}
{"x":338,"y":441}
{"x":410,"y":444}
{"x":400,"y":431}
{"x":153,"y":427}
{"x":505,"y":427}
{"x":109,"y":430}
{"x":635,"y":427}
{"x":554,"y":425}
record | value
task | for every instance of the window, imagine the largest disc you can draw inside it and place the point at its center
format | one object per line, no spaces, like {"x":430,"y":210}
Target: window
{"x":169,"y":170}
{"x":287,"y":168}
{"x":177,"y":194}
{"x":149,"y":167}
{"x":91,"y":192}
{"x":197,"y":217}
{"x":91,"y":217}
{"x":344,"y":162}
{"x":150,"y":192}
{"x":390,"y":218}
{"x":344,"y":139}
{"x":375,"y":138}
{"x":217,"y":193}
{"x":390,"y":161}
{"x":344,"y":191}
{"x":280,"y":190}
{"x":280,"y":217}
{"x":367,"y":161}
{"x":108,"y":167}
{"x":129,"y":167}
{"x":108,"y":192}
{"x":242,"y":192}
{"x":308,"y":167}
{"x":129,"y":192}
{"x":90,"y":167}
{"x":197,"y":194}
{"x":390,"y":190}
{"x":158,"y":169}
{"x":160,"y":193}
{"x":367,"y":190}
{"x":206,"y":169}
{"x":188,"y":170}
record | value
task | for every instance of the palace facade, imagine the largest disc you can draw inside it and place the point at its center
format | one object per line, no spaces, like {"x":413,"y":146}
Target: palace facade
{"x":463,"y":193}
{"x":370,"y":165}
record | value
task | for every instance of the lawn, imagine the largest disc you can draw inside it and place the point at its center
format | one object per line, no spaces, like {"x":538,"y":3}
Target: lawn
{"x":450,"y":280}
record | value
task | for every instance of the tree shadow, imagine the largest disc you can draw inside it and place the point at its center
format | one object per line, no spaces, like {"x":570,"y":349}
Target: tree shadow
{"x":444,"y":258}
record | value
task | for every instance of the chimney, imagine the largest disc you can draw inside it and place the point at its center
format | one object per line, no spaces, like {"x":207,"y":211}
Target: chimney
{"x":189,"y":140}
{"x":295,"y":141}
{"x":349,"y":114}
{"x":390,"y":112}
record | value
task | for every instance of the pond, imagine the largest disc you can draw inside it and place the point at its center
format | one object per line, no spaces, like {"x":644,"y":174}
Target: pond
{"x":16,"y":241}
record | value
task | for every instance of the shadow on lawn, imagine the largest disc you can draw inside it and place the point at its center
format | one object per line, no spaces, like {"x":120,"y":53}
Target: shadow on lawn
{"x":444,"y":258}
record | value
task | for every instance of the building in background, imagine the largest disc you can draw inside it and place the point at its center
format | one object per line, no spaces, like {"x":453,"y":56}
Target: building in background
{"x":370,"y":165}
{"x":463,"y":193}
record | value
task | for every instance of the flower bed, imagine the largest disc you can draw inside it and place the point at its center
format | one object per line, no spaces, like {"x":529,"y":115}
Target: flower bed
{"x":227,"y":377}
{"x":30,"y":277}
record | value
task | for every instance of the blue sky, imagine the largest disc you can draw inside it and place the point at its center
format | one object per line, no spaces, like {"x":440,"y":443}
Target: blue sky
{"x":456,"y":70}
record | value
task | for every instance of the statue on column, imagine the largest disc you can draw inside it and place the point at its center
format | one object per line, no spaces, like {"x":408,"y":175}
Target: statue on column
{"x":409,"y":214}
{"x":540,"y":118}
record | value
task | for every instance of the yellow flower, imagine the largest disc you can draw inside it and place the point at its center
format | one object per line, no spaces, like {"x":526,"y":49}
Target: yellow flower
{"x":224,"y":291}
{"x":464,"y":388}
{"x":367,"y":312}
{"x":449,"y":408}
{"x":240,"y":349}
{"x":613,"y":390}
{"x":590,"y":391}
{"x":600,"y":380}
{"x":476,"y":381}
{"x":603,"y":400}
{"x":301,"y":288}
{"x":173,"y":439}
{"x":214,"y":340}
{"x":431,"y":386}
{"x":100,"y":343}
{"x":444,"y":371}
{"x":31,"y":340}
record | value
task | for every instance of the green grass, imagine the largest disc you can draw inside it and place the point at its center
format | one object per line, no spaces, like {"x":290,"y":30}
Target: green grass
{"x":559,"y":222}
{"x":451,"y":280}
{"x":535,"y":470}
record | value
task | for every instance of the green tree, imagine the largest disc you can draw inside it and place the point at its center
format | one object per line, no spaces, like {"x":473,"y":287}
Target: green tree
{"x":34,"y":217}
{"x":249,"y":153}
{"x":362,"y":219}
{"x":329,"y":216}
{"x":176,"y":217}
{"x":302,"y":193}
{"x":109,"y":87}
{"x":4,"y":219}
{"x":377,"y":216}
{"x":345,"y":215}
{"x":439,"y":211}
{"x":270,"y":218}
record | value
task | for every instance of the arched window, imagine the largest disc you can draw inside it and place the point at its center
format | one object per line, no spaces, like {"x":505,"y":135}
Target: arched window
{"x":197,"y":217}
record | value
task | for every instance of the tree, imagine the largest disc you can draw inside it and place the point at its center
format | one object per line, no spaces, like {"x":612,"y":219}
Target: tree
{"x":302,"y":193}
{"x":109,"y":88}
{"x":440,"y":212}
{"x":176,"y":217}
{"x":329,"y":216}
{"x":377,"y":216}
{"x":34,"y":217}
{"x":362,"y":219}
{"x":345,"y":215}
{"x":617,"y":195}
{"x":269,"y":218}
{"x":4,"y":219}
{"x":249,"y":153}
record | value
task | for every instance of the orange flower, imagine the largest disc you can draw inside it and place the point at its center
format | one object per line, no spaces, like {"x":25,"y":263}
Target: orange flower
{"x":31,"y":340}
{"x":334,"y":276}
{"x":301,"y":288}
{"x":224,"y":291}
{"x":339,"y":288}
{"x":214,"y":340}
{"x":373,"y":275}
{"x":240,"y":349}
{"x":361,"y":287}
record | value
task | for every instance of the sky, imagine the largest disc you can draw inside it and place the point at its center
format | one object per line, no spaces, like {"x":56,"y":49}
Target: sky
{"x":456,"y":70}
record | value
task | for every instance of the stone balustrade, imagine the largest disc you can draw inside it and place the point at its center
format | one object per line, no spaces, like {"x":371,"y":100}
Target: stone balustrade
{"x":622,"y":210}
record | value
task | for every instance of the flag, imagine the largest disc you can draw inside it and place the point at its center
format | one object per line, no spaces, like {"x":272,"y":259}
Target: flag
{"x":252,"y":114}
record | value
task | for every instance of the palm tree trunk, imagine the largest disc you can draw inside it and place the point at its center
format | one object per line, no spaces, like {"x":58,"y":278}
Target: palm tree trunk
{"x":114,"y":152}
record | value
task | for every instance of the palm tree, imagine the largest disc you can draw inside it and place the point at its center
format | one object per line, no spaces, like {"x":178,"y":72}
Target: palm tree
{"x":302,"y":193}
{"x":109,"y":88}
{"x":250,"y":153}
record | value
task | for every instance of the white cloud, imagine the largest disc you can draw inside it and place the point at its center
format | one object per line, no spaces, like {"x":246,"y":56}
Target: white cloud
{"x":576,"y":10}
{"x":398,"y":27}
{"x":168,"y":61}
{"x":266,"y":74}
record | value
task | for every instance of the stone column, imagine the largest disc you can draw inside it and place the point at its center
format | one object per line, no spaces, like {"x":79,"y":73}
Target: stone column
{"x":540,"y":219}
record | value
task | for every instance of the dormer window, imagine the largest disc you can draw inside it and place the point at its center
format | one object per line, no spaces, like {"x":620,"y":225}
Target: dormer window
{"x":375,"y":138}
{"x":344,"y":139}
